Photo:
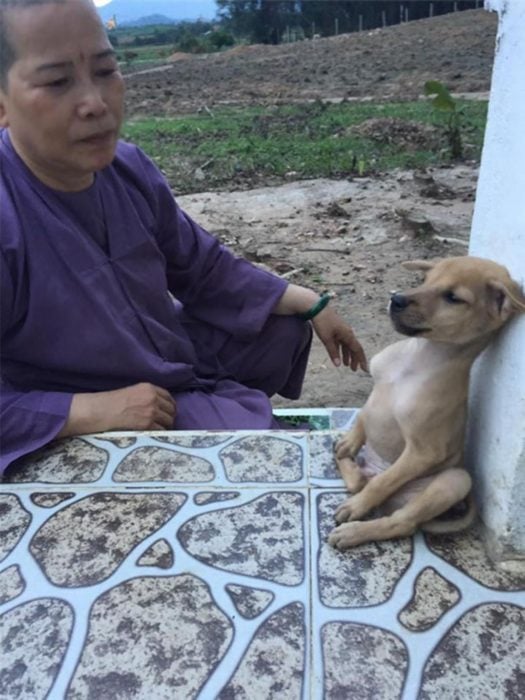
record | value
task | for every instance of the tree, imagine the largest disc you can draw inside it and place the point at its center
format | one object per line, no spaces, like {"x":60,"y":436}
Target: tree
{"x":266,"y":21}
{"x":259,"y":21}
{"x":220,"y":39}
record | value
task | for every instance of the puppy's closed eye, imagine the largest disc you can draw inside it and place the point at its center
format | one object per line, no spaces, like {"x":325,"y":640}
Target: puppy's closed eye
{"x":452,"y":298}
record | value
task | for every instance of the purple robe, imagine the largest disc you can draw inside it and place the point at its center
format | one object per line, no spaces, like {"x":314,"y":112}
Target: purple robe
{"x":85,"y":282}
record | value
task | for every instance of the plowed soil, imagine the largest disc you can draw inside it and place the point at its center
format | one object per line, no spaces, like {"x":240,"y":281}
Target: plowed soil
{"x":389,"y":63}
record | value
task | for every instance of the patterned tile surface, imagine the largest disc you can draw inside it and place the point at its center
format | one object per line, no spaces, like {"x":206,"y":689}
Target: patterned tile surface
{"x":195,"y":565}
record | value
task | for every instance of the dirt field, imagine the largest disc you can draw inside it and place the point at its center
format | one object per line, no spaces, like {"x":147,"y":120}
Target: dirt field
{"x":348,"y":236}
{"x":394,"y":62}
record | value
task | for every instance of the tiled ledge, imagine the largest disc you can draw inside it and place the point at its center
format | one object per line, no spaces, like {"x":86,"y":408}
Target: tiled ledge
{"x":195,"y":565}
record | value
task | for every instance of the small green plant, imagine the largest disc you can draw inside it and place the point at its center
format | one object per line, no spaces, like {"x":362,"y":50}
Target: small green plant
{"x":443,"y":102}
{"x":357,"y":164}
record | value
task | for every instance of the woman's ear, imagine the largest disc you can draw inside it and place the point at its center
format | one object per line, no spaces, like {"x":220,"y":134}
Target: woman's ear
{"x":4,"y":121}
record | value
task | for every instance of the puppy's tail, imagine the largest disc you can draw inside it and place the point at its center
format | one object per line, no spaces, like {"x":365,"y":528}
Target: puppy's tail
{"x":453,"y":524}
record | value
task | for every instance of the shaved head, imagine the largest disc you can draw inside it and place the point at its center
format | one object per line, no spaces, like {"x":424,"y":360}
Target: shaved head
{"x":8,"y":53}
{"x":63,"y":94}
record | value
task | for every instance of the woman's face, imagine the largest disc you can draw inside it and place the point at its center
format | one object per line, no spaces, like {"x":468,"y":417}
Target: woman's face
{"x":63,"y":102}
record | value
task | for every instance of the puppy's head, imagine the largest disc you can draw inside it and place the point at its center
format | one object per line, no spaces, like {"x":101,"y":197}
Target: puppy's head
{"x":461,"y":299}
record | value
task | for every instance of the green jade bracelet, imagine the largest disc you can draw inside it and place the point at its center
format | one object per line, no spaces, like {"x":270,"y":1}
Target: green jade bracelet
{"x":317,"y":307}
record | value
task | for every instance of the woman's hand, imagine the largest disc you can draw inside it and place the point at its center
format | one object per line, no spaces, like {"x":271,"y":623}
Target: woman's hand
{"x":335,"y":334}
{"x":139,"y":407}
{"x":339,"y":340}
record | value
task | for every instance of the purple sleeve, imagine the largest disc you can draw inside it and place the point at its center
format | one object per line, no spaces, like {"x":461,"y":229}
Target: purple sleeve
{"x":214,"y":285}
{"x":28,"y":419}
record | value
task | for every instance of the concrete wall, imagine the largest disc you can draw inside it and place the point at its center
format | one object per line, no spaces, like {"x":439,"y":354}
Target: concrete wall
{"x":496,"y":443}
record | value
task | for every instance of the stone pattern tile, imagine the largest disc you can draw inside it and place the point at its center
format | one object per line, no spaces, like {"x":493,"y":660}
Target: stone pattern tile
{"x":433,"y":597}
{"x":159,"y":624}
{"x":362,"y":661}
{"x":195,"y":565}
{"x":11,"y":583}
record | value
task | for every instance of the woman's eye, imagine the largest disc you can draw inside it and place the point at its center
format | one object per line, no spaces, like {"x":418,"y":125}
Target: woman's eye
{"x":58,"y":83}
{"x":106,"y":72}
{"x":451,"y":298}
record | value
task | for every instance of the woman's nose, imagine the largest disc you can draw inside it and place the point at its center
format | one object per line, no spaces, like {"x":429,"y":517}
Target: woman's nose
{"x":91,"y":102}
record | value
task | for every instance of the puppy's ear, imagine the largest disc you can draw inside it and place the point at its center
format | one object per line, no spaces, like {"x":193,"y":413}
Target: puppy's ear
{"x":424,"y":265}
{"x":505,"y":299}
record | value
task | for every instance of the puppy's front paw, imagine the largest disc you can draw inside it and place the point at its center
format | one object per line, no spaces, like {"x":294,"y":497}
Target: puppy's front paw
{"x":353,"y":508}
{"x":344,"y":511}
{"x":348,"y":535}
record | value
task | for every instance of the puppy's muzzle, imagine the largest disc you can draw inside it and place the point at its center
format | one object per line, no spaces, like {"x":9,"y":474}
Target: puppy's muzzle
{"x":398,"y":303}
{"x":407,"y":323}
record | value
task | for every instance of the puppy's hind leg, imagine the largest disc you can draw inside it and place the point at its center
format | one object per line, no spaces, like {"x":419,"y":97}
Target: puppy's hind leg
{"x":352,"y":475}
{"x":446,"y":489}
{"x":352,"y":441}
{"x":345,"y":452}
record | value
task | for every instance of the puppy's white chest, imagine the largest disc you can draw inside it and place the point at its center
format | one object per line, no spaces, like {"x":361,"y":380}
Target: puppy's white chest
{"x":396,"y":364}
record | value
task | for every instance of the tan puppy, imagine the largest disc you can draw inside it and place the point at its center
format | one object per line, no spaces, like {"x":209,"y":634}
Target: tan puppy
{"x":411,"y":431}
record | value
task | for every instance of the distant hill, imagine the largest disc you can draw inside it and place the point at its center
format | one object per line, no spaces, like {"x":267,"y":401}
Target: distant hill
{"x":141,"y":12}
{"x":148,"y":20}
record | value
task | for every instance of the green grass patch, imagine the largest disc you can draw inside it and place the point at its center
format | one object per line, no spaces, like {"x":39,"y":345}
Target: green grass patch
{"x":243,"y":147}
{"x":139,"y":57}
{"x":146,"y":53}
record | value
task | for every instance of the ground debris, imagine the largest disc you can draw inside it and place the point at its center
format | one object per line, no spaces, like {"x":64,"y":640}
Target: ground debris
{"x":408,"y":134}
{"x":415,"y":223}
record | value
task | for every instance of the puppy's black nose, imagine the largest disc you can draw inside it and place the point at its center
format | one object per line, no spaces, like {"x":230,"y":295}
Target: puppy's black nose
{"x":398,"y":302}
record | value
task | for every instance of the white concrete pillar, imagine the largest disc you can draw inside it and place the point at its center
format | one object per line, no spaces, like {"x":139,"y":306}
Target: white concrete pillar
{"x":496,"y":436}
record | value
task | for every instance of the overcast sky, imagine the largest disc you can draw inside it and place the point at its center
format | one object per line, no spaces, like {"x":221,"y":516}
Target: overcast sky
{"x":99,"y":3}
